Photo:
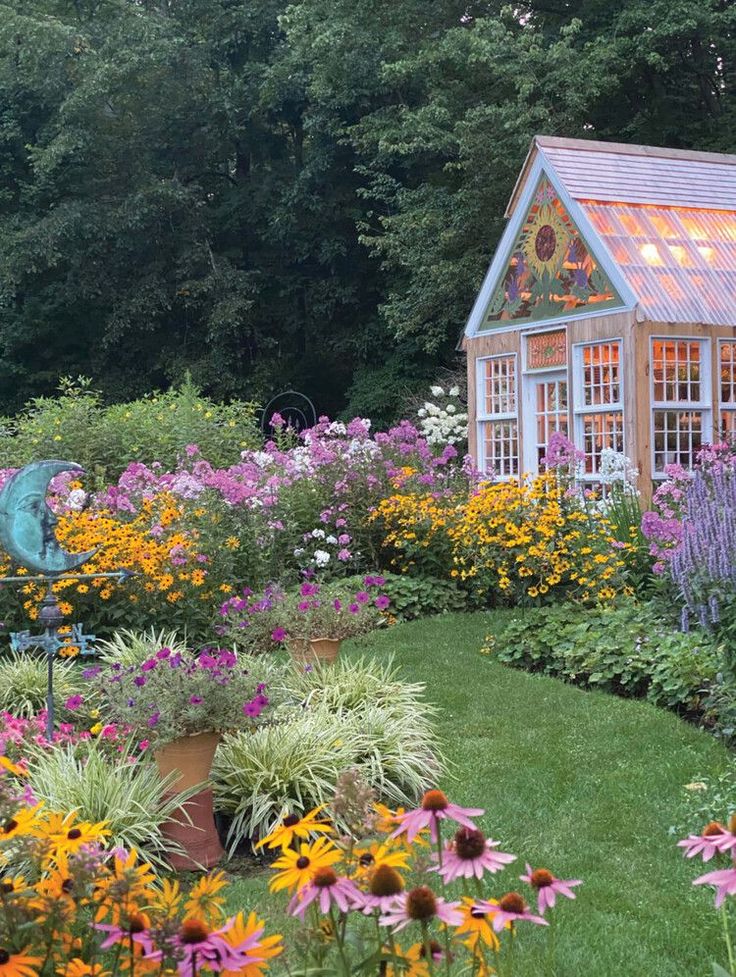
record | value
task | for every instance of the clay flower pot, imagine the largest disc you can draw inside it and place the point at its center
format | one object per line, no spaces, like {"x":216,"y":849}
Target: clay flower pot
{"x":191,"y":757}
{"x":322,"y":650}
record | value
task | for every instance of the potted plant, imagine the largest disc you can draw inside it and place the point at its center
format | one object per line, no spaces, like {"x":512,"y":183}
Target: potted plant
{"x":311,"y":621}
{"x":180,"y":705}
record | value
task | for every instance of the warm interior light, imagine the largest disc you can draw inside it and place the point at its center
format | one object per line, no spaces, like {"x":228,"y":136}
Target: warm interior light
{"x":680,"y":255}
{"x":650,"y":254}
{"x":706,"y":253}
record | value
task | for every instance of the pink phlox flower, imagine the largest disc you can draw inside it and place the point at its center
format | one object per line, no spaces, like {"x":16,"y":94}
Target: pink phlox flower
{"x":548,"y":887}
{"x":724,"y":881}
{"x":435,"y":808}
{"x":400,"y":914}
{"x":469,"y":855}
{"x":713,"y":840}
{"x":325,"y":889}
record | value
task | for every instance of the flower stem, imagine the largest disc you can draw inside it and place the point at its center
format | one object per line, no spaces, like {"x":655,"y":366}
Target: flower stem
{"x":427,"y":949}
{"x":729,"y":945}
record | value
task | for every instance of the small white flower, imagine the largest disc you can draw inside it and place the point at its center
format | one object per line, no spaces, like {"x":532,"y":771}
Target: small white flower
{"x":450,"y":408}
{"x":437,"y":391}
{"x":331,"y":540}
{"x":318,"y":534}
{"x":298,"y":551}
{"x":321,"y":558}
{"x":422,"y":412}
{"x":454,"y":391}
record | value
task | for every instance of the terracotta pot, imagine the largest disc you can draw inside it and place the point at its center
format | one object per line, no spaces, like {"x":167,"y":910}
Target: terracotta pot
{"x":191,"y":757}
{"x":323,"y":650}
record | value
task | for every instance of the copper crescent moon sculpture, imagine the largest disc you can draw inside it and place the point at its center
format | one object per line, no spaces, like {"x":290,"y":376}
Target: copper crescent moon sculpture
{"x":27,"y":524}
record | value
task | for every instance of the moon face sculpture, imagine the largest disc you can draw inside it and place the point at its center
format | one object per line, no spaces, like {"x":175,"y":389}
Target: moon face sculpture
{"x":27,"y":524}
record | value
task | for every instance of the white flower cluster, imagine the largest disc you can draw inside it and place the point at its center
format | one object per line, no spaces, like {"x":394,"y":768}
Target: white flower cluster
{"x":444,"y":422}
{"x":615,"y":468}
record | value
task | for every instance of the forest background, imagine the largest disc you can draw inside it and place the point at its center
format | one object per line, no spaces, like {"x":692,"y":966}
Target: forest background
{"x":270,"y":195}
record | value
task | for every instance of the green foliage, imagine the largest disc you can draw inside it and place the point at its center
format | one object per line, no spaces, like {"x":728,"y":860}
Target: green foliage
{"x":628,"y":650}
{"x":353,"y":714}
{"x":328,"y":225}
{"x":76,"y":425}
{"x":413,"y":597}
{"x":131,"y":797}
{"x":129,"y":647}
{"x":23,"y":683}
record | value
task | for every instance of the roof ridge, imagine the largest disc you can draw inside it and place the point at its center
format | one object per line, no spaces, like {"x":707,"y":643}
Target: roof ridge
{"x":632,"y":149}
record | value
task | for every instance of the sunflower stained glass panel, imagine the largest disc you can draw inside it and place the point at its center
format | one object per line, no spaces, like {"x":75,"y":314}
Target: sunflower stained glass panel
{"x":551,"y":271}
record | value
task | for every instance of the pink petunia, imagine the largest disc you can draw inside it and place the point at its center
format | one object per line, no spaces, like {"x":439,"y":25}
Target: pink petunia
{"x":435,"y":808}
{"x":548,"y":887}
{"x":469,"y":855}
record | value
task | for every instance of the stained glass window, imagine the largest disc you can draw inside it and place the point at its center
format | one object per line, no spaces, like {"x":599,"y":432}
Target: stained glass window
{"x":498,"y":429}
{"x":551,"y":271}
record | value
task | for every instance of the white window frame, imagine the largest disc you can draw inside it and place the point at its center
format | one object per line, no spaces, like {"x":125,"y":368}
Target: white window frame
{"x":704,"y":406}
{"x":725,"y":407}
{"x":482,"y":417}
{"x":580,"y":409}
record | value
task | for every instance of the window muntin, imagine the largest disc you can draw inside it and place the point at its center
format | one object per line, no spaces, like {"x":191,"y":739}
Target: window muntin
{"x":550,"y":412}
{"x":498,"y":427}
{"x":598,"y":401}
{"x":727,"y":389}
{"x":681,"y":401}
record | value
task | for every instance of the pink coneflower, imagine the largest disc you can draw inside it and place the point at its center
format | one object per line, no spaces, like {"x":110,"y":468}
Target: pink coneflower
{"x":136,"y":930}
{"x":509,"y":909}
{"x":724,"y":881}
{"x":385,"y":885}
{"x":713,"y":839}
{"x":326,"y":888}
{"x":548,"y":887}
{"x":470,"y":854}
{"x":435,"y":808}
{"x":196,"y":946}
{"x":420,"y":905}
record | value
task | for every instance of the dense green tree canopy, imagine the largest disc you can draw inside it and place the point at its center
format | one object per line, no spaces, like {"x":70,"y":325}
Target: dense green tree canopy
{"x":271,"y":194}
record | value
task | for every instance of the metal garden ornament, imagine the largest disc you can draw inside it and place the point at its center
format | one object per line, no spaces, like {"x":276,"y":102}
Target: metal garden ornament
{"x":28,"y":534}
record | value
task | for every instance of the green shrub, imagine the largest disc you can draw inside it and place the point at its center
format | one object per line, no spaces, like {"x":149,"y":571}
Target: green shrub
{"x":415,"y":596}
{"x":350,"y":715}
{"x":23,"y":682}
{"x":628,"y":650}
{"x":132,"y":798}
{"x":77,"y":426}
{"x":130,"y":647}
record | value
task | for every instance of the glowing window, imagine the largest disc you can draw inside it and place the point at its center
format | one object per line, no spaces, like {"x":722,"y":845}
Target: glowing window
{"x":498,"y":429}
{"x":681,"y":401}
{"x":598,"y":402}
{"x":727,"y":386}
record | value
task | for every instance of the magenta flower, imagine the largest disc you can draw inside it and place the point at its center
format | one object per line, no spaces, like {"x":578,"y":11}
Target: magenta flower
{"x":278,"y":634}
{"x":163,"y":653}
{"x":140,"y":681}
{"x":435,"y":808}
{"x":713,"y":839}
{"x":74,"y":702}
{"x":195,"y":700}
{"x":337,"y":604}
{"x":198,"y":947}
{"x":149,"y":665}
{"x":724,"y":881}
{"x":325,"y":889}
{"x":420,"y":905}
{"x":304,"y":605}
{"x":309,"y":589}
{"x":136,"y":930}
{"x":470,"y":854}
{"x":382,"y":602}
{"x":153,"y":720}
{"x":548,"y":887}
{"x":509,"y":909}
{"x":362,"y":597}
{"x":354,"y":608}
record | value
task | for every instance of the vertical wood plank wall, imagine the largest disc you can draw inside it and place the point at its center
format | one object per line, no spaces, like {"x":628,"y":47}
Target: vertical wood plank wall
{"x":635,"y":370}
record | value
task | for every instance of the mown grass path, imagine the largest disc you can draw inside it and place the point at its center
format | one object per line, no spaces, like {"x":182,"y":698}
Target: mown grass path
{"x":583,"y":783}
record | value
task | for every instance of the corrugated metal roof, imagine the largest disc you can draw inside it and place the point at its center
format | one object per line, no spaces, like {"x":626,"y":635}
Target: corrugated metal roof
{"x":593,"y":170}
{"x":680,"y":262}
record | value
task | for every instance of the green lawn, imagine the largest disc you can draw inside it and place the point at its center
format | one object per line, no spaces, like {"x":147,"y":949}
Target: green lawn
{"x":581,"y":782}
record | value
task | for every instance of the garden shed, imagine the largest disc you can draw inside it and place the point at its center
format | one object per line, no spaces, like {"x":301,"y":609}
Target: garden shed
{"x":609,"y":310}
